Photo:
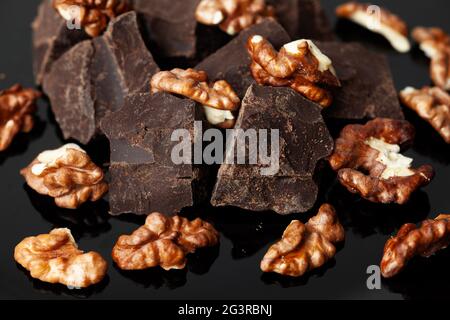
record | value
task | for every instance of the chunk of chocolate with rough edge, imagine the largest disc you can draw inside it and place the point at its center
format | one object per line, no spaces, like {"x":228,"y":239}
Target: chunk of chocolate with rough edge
{"x":51,"y":39}
{"x":232,"y":62}
{"x":367,"y":90}
{"x":92,"y":78}
{"x":304,"y":141}
{"x":144,"y":178}
{"x":303,"y":19}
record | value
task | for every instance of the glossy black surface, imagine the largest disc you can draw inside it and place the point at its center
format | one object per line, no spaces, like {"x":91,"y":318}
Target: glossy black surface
{"x":232,"y":270}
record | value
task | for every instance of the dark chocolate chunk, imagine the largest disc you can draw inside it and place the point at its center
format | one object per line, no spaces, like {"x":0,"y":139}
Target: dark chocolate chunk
{"x":367,"y":90}
{"x":144,"y":178}
{"x":304,"y":140}
{"x":303,"y":19}
{"x":92,"y":78}
{"x":232,"y":62}
{"x":51,"y":39}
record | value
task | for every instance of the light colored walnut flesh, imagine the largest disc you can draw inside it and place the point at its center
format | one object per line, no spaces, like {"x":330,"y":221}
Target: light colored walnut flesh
{"x":66,"y":174}
{"x":163,"y":241}
{"x":304,"y":247}
{"x":55,"y":258}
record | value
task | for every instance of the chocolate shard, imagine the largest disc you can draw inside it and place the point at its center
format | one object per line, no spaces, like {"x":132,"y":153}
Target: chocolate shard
{"x":303,"y":19}
{"x":303,"y":141}
{"x":367,"y":90}
{"x":144,"y":178}
{"x":92,"y":78}
{"x":231,"y":62}
{"x":51,"y":39}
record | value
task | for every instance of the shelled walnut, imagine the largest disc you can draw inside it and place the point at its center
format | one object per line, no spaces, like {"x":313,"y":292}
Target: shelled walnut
{"x":55,"y":258}
{"x":66,"y":174}
{"x":431,"y":104}
{"x":435,"y":43}
{"x":304,"y":247}
{"x":410,"y":241}
{"x":379,"y":20}
{"x":233,"y":16}
{"x":163,"y":241}
{"x":368,"y":161}
{"x":218,"y":99}
{"x":299,"y":65}
{"x":17,"y":106}
{"x":93,"y":15}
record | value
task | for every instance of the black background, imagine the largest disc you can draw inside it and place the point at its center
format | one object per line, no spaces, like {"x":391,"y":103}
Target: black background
{"x":232,"y":270}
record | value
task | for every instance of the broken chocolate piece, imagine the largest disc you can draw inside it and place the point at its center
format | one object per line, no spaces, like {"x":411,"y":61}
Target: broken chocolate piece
{"x":303,"y":19}
{"x":303,"y":141}
{"x":144,"y":178}
{"x":92,"y":78}
{"x":367,"y":86}
{"x":51,"y":39}
{"x":232,"y":62}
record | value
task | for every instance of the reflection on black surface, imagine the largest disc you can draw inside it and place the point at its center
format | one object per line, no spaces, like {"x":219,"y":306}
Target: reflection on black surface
{"x":367,"y":218}
{"x":201,"y":261}
{"x":423,"y":278}
{"x":62,"y":290}
{"x":91,"y":218}
{"x":289,"y":282}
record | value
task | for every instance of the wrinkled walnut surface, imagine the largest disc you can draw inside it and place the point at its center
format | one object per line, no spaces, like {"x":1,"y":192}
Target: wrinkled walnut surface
{"x":55,"y":258}
{"x":163,"y":241}
{"x":17,"y":106}
{"x":304,"y":247}
{"x":66,"y":174}
{"x":299,"y":65}
{"x":411,"y":240}
{"x":375,"y":175}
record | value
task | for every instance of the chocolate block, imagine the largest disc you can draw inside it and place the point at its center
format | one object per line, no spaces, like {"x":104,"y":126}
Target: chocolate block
{"x":303,"y":19}
{"x":367,"y":90}
{"x":144,"y":178}
{"x":304,"y":141}
{"x":92,"y":78}
{"x":232,"y":62}
{"x":51,"y":39}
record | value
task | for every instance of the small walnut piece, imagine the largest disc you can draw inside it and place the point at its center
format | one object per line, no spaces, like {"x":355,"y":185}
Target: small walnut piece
{"x":163,"y":241}
{"x":379,"y":20}
{"x":233,"y":16}
{"x":55,"y":258}
{"x":374,"y":149}
{"x":305,"y":247}
{"x":218,"y":99}
{"x":435,"y":43}
{"x":17,"y":106}
{"x":93,"y":15}
{"x":431,"y":104}
{"x":410,"y":241}
{"x":299,"y":65}
{"x":66,"y":174}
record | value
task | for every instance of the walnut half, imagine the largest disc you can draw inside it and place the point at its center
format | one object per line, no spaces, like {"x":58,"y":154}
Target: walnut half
{"x":66,"y":174}
{"x":163,"y":241}
{"x":55,"y":258}
{"x":304,"y":247}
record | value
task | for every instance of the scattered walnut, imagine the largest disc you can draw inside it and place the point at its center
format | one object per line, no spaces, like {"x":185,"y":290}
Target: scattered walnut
{"x":233,"y":16}
{"x":299,"y":65}
{"x":66,"y":174}
{"x":93,"y":15}
{"x":379,"y":20}
{"x":305,"y":247}
{"x":163,"y":241}
{"x":374,"y":149}
{"x":218,"y":99}
{"x":410,"y":241}
{"x":432,"y":104}
{"x":435,"y":43}
{"x":55,"y":258}
{"x":16,"y":113}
